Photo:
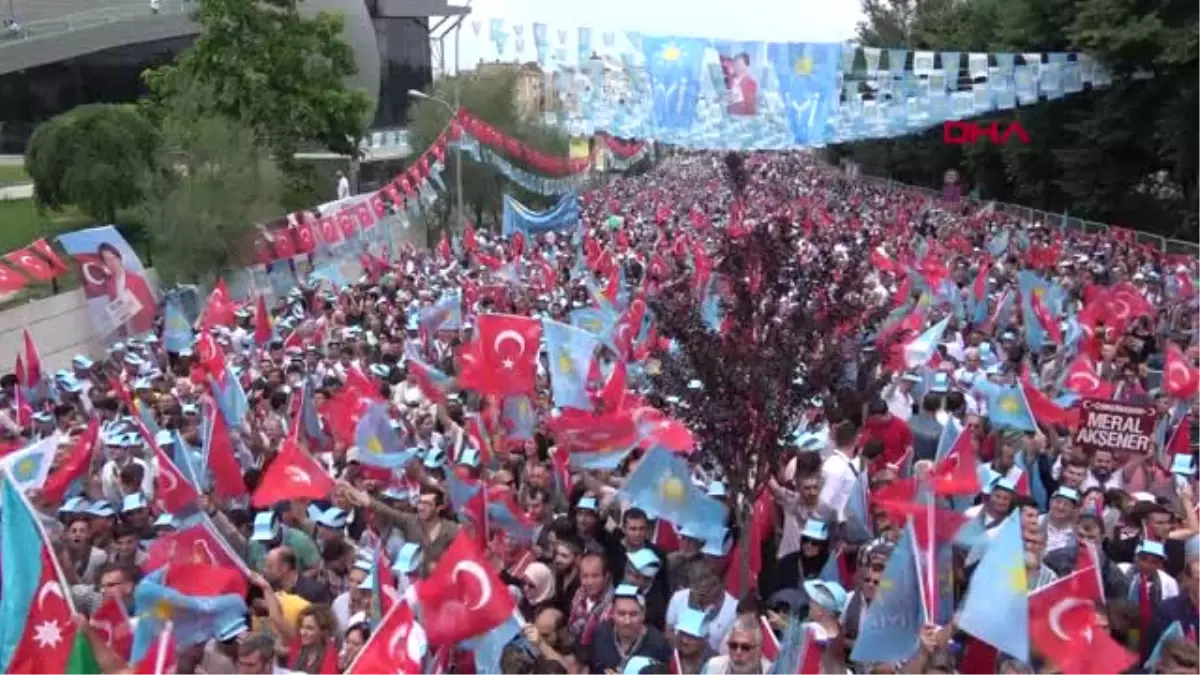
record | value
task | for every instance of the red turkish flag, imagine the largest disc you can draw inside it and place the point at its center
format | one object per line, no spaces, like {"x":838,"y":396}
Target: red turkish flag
{"x":305,"y":240}
{"x":464,"y":597}
{"x":110,"y":623}
{"x":1082,"y":379}
{"x":171,"y":490}
{"x":218,"y":311}
{"x":582,"y":431}
{"x":397,"y":645}
{"x":346,"y":225}
{"x":210,"y":357}
{"x":292,"y":475}
{"x":956,"y":473}
{"x":508,"y":347}
{"x":43,"y":249}
{"x":282,"y":240}
{"x":196,"y":544}
{"x":329,"y":231}
{"x":10,"y":281}
{"x":25,"y":260}
{"x":227,"y":473}
{"x":1062,"y":627}
{"x":1179,"y":378}
{"x":263,"y":330}
{"x":75,"y":466}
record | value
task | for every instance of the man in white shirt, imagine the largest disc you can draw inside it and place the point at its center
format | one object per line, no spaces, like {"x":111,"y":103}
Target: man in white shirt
{"x":840,"y":470}
{"x":343,"y":186}
{"x":899,"y":397}
{"x":707,"y":594}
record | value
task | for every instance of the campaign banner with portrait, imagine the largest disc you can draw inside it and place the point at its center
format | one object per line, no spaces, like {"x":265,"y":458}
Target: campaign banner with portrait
{"x":120,"y":298}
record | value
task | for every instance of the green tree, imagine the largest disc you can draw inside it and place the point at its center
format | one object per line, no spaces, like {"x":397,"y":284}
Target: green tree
{"x":93,"y":157}
{"x":280,"y":73}
{"x":213,"y":180}
{"x":1124,"y":154}
{"x":492,"y":98}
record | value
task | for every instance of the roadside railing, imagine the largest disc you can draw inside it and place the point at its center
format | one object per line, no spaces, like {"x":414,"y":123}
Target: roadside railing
{"x":1070,"y":222}
{"x":60,"y":25}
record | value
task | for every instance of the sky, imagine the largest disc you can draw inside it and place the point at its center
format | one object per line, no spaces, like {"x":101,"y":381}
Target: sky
{"x":768,"y":20}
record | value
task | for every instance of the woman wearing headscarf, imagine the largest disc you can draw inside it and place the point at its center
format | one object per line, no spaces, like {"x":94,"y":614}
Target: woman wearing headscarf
{"x":538,"y":588}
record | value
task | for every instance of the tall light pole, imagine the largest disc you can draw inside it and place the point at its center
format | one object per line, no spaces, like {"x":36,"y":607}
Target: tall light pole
{"x":453,"y":109}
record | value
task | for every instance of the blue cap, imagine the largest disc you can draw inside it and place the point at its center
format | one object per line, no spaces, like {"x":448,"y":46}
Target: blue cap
{"x":74,"y":505}
{"x":1183,"y":465}
{"x":716,"y":489}
{"x":190,"y":409}
{"x":264,"y":527}
{"x":815,"y":529}
{"x":150,"y":339}
{"x":408,"y":559}
{"x":1003,"y":483}
{"x":1066,"y":493}
{"x":396,"y":493}
{"x":101,"y":509}
{"x":230,"y":626}
{"x":636,"y":664}
{"x":132,"y":359}
{"x":941,"y":383}
{"x":587,"y":503}
{"x":131,"y":440}
{"x":70,"y":383}
{"x":82,"y":362}
{"x":380,"y":369}
{"x":644,"y":561}
{"x":629,"y":591}
{"x":164,"y":437}
{"x":718,"y":546}
{"x":692,"y":622}
{"x":435,"y":458}
{"x":363,"y":564}
{"x":368,"y":584}
{"x":165,"y":520}
{"x":333,"y":518}
{"x":469,"y":457}
{"x":827,"y":594}
{"x":687,"y":529}
{"x":116,"y":347}
{"x":1151,"y":548}
{"x":134,"y":502}
{"x":43,"y":417}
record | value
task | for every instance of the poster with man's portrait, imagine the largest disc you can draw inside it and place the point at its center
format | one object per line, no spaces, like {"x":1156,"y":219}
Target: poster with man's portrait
{"x":121,"y":300}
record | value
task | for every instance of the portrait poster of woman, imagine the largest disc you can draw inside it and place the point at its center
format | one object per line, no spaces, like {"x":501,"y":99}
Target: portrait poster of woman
{"x":121,"y":300}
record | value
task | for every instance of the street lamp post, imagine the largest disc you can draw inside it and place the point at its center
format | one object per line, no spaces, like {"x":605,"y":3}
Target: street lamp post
{"x":458,"y":192}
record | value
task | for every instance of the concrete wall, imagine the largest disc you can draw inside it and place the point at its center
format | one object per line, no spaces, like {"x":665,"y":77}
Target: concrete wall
{"x":60,"y":326}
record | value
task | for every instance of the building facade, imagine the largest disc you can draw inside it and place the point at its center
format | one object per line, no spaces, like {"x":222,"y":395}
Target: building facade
{"x":58,"y":64}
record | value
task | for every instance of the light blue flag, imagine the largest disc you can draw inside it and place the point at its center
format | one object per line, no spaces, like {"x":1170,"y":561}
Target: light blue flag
{"x":231,"y":399}
{"x":518,"y":417}
{"x":808,"y":81}
{"x":186,"y":461}
{"x":30,"y":466}
{"x":996,"y":608}
{"x":661,"y":485}
{"x":1030,"y":283}
{"x":460,"y":491}
{"x":21,"y":545}
{"x":675,"y":66}
{"x":446,"y":314}
{"x":890,"y":629}
{"x":569,"y":351}
{"x":918,"y":352}
{"x":998,"y":244}
{"x":1174,"y":630}
{"x":710,"y":308}
{"x":595,"y":460}
{"x":857,"y":528}
{"x":1007,"y":408}
{"x":177,"y":330}
{"x":377,"y":442}
{"x":195,"y":618}
{"x":490,"y":646}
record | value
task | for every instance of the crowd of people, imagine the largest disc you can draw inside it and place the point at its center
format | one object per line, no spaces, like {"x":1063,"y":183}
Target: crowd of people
{"x":379,"y":550}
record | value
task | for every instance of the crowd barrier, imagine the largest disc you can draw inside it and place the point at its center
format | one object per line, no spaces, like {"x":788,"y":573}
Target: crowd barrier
{"x":1071,"y":223}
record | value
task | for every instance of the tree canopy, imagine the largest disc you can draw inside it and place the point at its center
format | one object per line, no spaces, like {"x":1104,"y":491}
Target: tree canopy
{"x":1125,"y":154}
{"x":490,"y":96}
{"x":92,"y":157}
{"x":213,"y":180}
{"x":280,"y":73}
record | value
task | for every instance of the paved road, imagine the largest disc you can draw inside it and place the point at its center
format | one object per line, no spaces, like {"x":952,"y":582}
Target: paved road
{"x":22,"y":191}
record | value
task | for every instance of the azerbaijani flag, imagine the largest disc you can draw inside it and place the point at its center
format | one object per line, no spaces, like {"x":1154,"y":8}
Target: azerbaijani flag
{"x":37,"y":634}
